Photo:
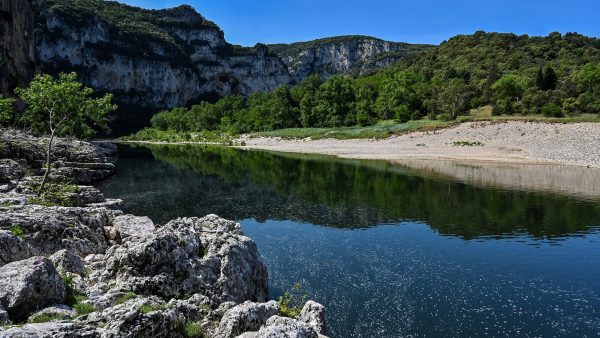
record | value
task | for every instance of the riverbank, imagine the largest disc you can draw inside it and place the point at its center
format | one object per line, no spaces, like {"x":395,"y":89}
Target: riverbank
{"x":508,"y":142}
{"x":72,"y":263}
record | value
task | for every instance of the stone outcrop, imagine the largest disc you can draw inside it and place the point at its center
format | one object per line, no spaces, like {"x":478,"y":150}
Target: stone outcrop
{"x":28,"y":285}
{"x":80,"y":161}
{"x":246,"y":317}
{"x":129,"y":225}
{"x":114,"y":275}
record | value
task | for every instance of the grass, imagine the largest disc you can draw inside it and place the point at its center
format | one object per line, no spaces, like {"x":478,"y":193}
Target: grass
{"x":384,"y":129}
{"x":191,"y":330}
{"x":125,"y":297}
{"x":381,"y":130}
{"x":16,"y":230}
{"x":169,"y":136}
{"x":147,"y":308}
{"x":46,"y":317}
{"x":75,"y":299}
{"x":55,"y":194}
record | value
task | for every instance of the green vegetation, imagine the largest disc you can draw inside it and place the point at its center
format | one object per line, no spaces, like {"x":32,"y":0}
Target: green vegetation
{"x":147,"y":308}
{"x":63,"y":107}
{"x":6,"y":110}
{"x":17,"y":230}
{"x":45,"y":318}
{"x":127,"y":296}
{"x":191,"y":330}
{"x":554,"y":76}
{"x":204,"y":136}
{"x":75,"y":299}
{"x":84,"y":308}
{"x":291,"y":302}
{"x":56,"y":193}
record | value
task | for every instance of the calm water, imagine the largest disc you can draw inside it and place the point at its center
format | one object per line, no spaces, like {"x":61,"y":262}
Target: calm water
{"x":390,"y":251}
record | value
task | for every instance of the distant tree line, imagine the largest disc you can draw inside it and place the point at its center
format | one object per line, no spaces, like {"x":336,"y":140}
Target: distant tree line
{"x":555,"y":76}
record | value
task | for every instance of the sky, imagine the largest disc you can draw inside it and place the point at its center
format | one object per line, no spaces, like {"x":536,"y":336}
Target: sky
{"x":247,"y":22}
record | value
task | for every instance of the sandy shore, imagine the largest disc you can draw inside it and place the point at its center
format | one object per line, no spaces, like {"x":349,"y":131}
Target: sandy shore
{"x":512,"y":142}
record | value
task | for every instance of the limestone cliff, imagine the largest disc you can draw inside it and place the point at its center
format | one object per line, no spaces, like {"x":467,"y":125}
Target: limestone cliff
{"x":348,"y":55}
{"x":150,"y":59}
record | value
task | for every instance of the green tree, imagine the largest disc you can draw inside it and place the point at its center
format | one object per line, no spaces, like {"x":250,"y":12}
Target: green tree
{"x":365,"y":101}
{"x":550,"y":79}
{"x":509,"y":90}
{"x":453,"y":98}
{"x":63,"y":107}
{"x":6,"y":110}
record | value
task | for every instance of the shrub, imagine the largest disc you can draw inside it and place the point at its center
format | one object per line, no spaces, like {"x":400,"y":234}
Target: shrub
{"x":445,"y":117}
{"x":552,"y":110}
{"x":291,"y":302}
{"x":402,"y":113}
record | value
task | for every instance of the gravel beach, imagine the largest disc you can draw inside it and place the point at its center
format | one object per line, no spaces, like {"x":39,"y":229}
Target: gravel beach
{"x":513,"y":142}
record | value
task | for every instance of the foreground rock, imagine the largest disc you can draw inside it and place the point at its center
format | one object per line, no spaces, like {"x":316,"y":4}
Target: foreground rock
{"x":115,"y":275}
{"x":29,"y":285}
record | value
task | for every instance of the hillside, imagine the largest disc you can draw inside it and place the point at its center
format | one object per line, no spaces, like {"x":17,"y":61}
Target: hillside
{"x":482,"y":58}
{"x":342,"y":55}
{"x":555,"y":76}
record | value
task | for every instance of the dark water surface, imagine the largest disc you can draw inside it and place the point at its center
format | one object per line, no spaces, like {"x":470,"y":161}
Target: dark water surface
{"x":390,"y":251}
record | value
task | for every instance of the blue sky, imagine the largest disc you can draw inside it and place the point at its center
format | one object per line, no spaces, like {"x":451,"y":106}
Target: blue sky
{"x":247,"y":22}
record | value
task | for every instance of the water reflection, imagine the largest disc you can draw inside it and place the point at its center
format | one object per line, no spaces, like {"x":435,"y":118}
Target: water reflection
{"x":466,"y":201}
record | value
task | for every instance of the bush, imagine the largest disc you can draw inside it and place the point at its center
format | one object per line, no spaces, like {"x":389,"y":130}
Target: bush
{"x":552,"y":110}
{"x":291,"y":302}
{"x":445,"y":117}
{"x":402,"y":113}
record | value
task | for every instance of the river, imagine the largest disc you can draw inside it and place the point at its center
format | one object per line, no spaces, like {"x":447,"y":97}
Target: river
{"x":418,"y":249}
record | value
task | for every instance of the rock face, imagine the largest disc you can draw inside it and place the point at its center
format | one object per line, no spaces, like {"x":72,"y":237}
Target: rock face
{"x":130,"y":54}
{"x":28,"y":285}
{"x":246,"y":317}
{"x":186,"y":256}
{"x":114,"y":275}
{"x":342,"y":55}
{"x":17,"y":44}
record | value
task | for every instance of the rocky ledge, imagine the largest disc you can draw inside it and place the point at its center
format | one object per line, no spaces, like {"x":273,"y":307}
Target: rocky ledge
{"x":89,"y":270}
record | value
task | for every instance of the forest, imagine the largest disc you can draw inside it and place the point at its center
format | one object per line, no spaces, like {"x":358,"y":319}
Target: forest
{"x":556,"y":76}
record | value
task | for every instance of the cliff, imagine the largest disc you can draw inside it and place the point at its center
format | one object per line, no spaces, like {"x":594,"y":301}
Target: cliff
{"x":347,"y":55}
{"x":150,"y":59}
{"x":17,"y":46}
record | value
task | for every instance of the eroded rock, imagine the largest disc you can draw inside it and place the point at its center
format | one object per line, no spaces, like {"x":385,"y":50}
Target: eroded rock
{"x":313,"y":314}
{"x":28,"y":285}
{"x":246,"y":317}
{"x":66,"y":261}
{"x":186,"y":256}
{"x":129,"y":225}
{"x":277,"y":326}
